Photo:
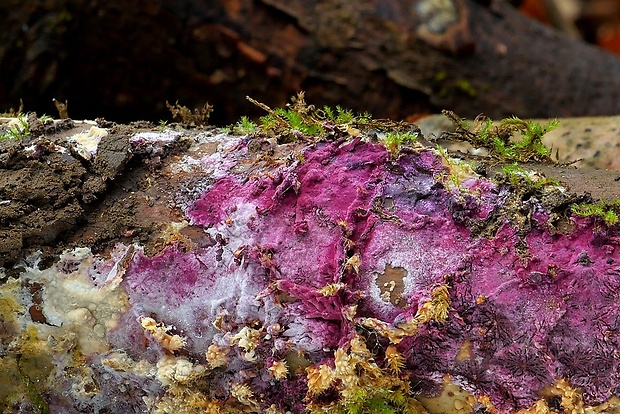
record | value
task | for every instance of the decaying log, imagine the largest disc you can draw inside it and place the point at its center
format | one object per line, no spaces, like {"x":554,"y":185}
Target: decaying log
{"x":274,"y":271}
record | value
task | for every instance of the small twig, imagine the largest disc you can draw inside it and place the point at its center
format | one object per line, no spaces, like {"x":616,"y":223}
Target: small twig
{"x":271,"y":112}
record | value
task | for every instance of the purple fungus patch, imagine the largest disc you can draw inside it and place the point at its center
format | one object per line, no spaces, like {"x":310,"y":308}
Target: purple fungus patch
{"x":350,"y":244}
{"x":340,"y":277}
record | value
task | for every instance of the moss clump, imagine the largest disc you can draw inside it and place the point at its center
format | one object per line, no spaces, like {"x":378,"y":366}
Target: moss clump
{"x":12,"y":113}
{"x":292,"y":123}
{"x":338,"y":116}
{"x":301,"y":122}
{"x":498,"y":139}
{"x":394,"y":141}
{"x":295,"y":120}
{"x":608,"y":211}
{"x":244,"y":126}
{"x":183,"y":114}
{"x":522,"y":179}
{"x":17,"y":129}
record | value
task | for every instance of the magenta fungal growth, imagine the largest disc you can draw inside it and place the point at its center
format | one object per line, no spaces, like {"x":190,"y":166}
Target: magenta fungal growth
{"x":528,"y":318}
{"x":347,"y":257}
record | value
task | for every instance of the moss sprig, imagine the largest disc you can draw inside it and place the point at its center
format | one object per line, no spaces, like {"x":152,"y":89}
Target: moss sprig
{"x":245,"y":126}
{"x":299,"y":120}
{"x":395,"y":140}
{"x":520,"y":178}
{"x":608,"y":211}
{"x":182,"y":114}
{"x":17,"y":129}
{"x":498,"y":139}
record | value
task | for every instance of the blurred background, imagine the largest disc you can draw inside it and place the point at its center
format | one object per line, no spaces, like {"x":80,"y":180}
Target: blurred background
{"x":122,"y":60}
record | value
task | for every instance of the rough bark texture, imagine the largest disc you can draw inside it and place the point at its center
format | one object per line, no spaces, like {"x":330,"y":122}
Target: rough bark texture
{"x":390,"y":57}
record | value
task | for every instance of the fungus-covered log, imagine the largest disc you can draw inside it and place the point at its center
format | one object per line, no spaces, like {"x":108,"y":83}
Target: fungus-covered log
{"x":353,"y":269}
{"x":391,"y":58}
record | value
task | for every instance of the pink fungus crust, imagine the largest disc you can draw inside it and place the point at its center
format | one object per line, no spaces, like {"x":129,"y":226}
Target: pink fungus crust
{"x":542,"y":318}
{"x":291,"y":282}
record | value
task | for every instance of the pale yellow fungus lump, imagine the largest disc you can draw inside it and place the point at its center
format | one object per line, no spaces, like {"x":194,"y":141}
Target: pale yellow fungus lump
{"x":159,"y":332}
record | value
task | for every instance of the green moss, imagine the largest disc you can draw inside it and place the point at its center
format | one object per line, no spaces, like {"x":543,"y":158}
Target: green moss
{"x":519,"y":178}
{"x":608,"y":211}
{"x":499,"y":140}
{"x":244,"y":126}
{"x":338,"y":116}
{"x":362,"y":384}
{"x":287,"y":123}
{"x":376,"y":401}
{"x":375,"y":404}
{"x":531,"y":135}
{"x":17,"y":131}
{"x":299,"y":120}
{"x":394,"y":141}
